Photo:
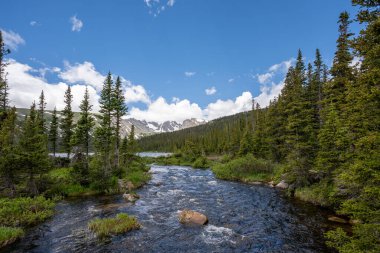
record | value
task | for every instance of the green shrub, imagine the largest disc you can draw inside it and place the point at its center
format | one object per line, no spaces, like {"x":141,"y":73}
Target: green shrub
{"x":321,"y":194}
{"x":113,"y":226}
{"x":365,"y":239}
{"x":247,"y":168}
{"x":138,"y":178}
{"x":201,"y":162}
{"x":8,"y":235}
{"x":25,"y":211}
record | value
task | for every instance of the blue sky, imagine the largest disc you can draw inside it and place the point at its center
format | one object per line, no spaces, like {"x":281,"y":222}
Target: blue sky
{"x":205,"y":55}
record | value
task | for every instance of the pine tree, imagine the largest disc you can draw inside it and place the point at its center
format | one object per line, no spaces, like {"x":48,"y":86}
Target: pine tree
{"x":33,"y":148}
{"x":41,"y":112}
{"x":81,"y":140}
{"x":8,"y":151}
{"x":132,"y":145}
{"x":246,"y":142}
{"x":119,"y":110}
{"x":67,"y":123}
{"x":297,"y":110}
{"x":103,"y":133}
{"x":124,"y":151}
{"x":359,"y":177}
{"x":341,"y":71}
{"x":4,"y":100}
{"x":318,"y":83}
{"x":84,"y":125}
{"x":53,"y":132}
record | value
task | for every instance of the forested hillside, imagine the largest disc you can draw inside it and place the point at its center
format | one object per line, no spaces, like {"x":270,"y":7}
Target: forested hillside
{"x":217,"y":136}
{"x":323,"y":129}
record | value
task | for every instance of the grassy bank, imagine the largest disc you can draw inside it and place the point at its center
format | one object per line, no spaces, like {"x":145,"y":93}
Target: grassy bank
{"x":106,"y":227}
{"x":19,"y":213}
{"x":246,"y":169}
{"x":181,"y":159}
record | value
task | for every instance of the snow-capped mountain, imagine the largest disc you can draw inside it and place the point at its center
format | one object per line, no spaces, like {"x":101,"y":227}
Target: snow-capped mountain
{"x":142,"y":127}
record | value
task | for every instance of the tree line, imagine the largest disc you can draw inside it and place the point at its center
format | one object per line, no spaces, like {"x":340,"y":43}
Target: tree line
{"x":323,"y":128}
{"x":24,"y":151}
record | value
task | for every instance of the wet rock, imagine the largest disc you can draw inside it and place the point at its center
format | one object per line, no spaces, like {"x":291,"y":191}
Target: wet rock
{"x":130,"y":197}
{"x":125,"y":185}
{"x":130,"y":186}
{"x":255,"y":183}
{"x":282,"y":185}
{"x":271,"y":184}
{"x":192,"y":217}
{"x":337,"y":219}
{"x":354,"y":222}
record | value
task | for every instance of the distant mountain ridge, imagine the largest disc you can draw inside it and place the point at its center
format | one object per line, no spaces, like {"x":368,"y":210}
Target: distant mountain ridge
{"x":142,"y":127}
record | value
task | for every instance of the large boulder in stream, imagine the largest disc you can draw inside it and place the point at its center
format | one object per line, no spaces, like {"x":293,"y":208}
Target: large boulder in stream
{"x":192,"y":217}
{"x":130,"y":197}
{"x":282,"y":185}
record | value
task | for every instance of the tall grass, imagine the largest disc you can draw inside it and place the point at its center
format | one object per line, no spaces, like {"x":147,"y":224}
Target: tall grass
{"x":113,"y":226}
{"x":247,"y":168}
{"x":8,"y":235}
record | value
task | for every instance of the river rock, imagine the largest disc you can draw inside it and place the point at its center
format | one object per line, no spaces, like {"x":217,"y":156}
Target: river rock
{"x":130,"y":197}
{"x":282,"y":185}
{"x":337,"y":219}
{"x":192,"y":217}
{"x":125,"y":185}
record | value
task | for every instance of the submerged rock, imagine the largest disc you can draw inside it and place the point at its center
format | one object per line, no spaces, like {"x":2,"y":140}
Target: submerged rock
{"x":192,"y":217}
{"x":282,"y":185}
{"x":130,"y":197}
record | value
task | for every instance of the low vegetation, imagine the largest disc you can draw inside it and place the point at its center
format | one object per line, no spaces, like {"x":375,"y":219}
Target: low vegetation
{"x":9,"y":235}
{"x":19,"y":213}
{"x":246,"y":169}
{"x":23,"y":212}
{"x":106,"y":227}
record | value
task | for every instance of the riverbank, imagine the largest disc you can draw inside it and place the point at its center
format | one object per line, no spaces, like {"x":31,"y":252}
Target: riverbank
{"x":19,"y":214}
{"x":250,"y":170}
{"x":242,"y":218}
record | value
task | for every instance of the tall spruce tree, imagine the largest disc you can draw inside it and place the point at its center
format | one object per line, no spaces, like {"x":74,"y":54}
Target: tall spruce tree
{"x":119,"y":110}
{"x":360,"y":178}
{"x":124,"y":151}
{"x":297,"y":138}
{"x":67,"y":123}
{"x":53,"y":132}
{"x":103,"y":133}
{"x":81,"y":140}
{"x":8,"y":151}
{"x":4,"y":100}
{"x":33,"y":150}
{"x":132,"y":145}
{"x":41,"y":112}
{"x":84,"y":125}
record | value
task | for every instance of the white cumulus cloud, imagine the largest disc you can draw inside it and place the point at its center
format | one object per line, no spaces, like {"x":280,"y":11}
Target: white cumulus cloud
{"x":210,"y":91}
{"x":84,"y":73}
{"x":136,"y":93}
{"x":160,"y":111}
{"x":222,"y":108}
{"x":76,"y":23}
{"x":25,"y":87}
{"x":12,"y":39}
{"x":269,"y":88}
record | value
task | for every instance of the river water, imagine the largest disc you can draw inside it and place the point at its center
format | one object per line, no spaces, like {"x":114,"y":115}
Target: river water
{"x":242,"y":218}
